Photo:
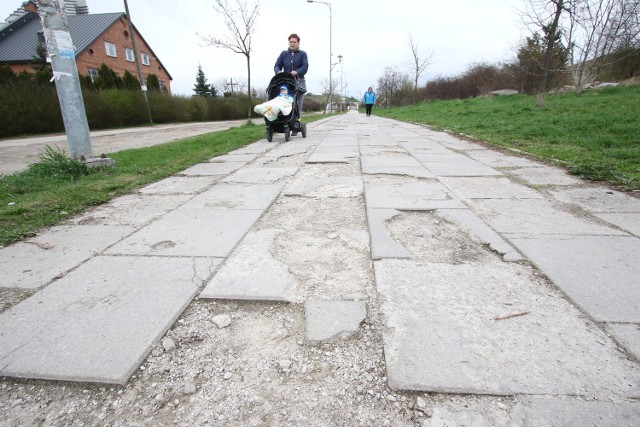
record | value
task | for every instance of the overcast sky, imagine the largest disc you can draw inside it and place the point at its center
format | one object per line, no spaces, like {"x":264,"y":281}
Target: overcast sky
{"x":369,"y":34}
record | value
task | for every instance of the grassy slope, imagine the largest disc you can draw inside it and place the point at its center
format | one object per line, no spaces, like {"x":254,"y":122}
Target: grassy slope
{"x":595,"y":134}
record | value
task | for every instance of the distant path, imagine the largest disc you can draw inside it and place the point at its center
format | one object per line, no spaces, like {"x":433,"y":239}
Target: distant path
{"x":17,"y":154}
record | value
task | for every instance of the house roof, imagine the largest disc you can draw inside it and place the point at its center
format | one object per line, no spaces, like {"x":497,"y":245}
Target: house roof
{"x":18,"y":41}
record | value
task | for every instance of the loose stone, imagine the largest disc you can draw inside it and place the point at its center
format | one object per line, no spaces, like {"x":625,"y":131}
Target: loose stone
{"x":168,"y":344}
{"x":222,"y":321}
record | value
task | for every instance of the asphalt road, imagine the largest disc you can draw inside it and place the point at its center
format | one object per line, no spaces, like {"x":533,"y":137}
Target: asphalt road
{"x":17,"y":154}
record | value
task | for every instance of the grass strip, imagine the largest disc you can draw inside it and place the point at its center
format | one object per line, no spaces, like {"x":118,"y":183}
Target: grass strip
{"x":53,"y":189}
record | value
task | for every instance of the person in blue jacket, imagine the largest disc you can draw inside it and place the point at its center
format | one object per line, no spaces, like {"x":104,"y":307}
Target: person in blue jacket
{"x":294,"y":61}
{"x":368,"y":100}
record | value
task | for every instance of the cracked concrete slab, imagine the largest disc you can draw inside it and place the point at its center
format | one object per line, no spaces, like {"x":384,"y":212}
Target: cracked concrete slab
{"x":599,"y":273}
{"x":232,"y":158}
{"x":382,"y":244}
{"x":252,"y":273}
{"x":330,"y":321}
{"x":488,"y":188}
{"x":287,"y":150}
{"x":491,"y":329}
{"x":235,"y":196}
{"x":331,"y":153}
{"x":135,"y":210}
{"x":416,"y":172}
{"x":180,"y":185}
{"x":543,"y":176}
{"x":325,"y":186}
{"x":629,"y":222}
{"x":598,"y":199}
{"x":389,"y":160}
{"x":454,"y":143}
{"x":260,"y":175}
{"x":34,"y":262}
{"x":255,"y":148}
{"x":190,"y":232}
{"x":470,"y":221}
{"x":627,"y":334}
{"x":496,"y":159}
{"x":380,"y":150}
{"x":99,"y":322}
{"x":558,"y":411}
{"x":410,"y":196}
{"x":212,"y":169}
{"x":536,"y":217}
{"x":455,"y":165}
{"x":425,"y":147}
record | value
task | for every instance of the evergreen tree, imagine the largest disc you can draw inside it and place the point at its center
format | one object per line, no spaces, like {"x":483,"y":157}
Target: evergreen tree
{"x":202,"y":88}
{"x":7,"y":76}
{"x":153,"y":84}
{"x":530,"y":63}
{"x":130,"y":81}
{"x":108,"y":79}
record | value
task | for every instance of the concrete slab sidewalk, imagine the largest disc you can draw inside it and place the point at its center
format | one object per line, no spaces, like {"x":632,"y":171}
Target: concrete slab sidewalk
{"x":493,"y":274}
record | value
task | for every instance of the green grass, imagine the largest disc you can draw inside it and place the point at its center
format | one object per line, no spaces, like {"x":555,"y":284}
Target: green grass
{"x":56,"y":187}
{"x":595,"y":134}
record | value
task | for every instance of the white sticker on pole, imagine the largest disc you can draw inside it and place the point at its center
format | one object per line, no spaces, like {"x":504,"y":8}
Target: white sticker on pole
{"x":58,"y":74}
{"x":64,"y":44}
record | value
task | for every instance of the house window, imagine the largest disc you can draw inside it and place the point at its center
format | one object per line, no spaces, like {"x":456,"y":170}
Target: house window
{"x":93,"y":74}
{"x":128,"y":53}
{"x":161,"y":85}
{"x":111,"y":49}
{"x":145,"y":59}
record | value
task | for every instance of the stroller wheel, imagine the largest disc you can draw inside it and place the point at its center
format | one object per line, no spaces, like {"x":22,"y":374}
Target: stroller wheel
{"x":303,"y":129}
{"x":287,"y":135}
{"x":269,"y":136}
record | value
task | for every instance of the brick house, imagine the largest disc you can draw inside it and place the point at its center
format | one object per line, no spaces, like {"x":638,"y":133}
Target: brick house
{"x":98,"y":38}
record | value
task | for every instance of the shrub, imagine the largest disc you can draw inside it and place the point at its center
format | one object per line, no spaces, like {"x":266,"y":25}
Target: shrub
{"x":29,"y":103}
{"x":53,"y":163}
{"x":29,"y":109}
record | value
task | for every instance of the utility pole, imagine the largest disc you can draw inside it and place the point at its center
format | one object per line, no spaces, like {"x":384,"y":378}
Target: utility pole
{"x":232,"y":84}
{"x":143,"y":85}
{"x":65,"y":73}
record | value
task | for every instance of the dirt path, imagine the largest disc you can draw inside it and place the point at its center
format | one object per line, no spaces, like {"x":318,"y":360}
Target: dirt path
{"x":17,"y":154}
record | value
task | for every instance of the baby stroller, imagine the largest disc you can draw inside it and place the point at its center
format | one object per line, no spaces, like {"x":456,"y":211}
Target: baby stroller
{"x":285,"y":123}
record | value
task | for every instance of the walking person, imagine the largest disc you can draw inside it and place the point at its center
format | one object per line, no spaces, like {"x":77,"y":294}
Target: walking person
{"x":294,"y":61}
{"x":369,"y":99}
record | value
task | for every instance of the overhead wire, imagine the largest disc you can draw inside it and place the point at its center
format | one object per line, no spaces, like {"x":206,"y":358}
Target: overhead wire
{"x":174,"y":15}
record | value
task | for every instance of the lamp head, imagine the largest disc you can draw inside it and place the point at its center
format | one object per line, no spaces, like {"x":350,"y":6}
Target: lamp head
{"x":309,"y":1}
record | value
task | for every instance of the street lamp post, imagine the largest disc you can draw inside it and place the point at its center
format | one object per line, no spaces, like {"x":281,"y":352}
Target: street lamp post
{"x":328,"y":4}
{"x":333,"y":65}
{"x":341,"y":87}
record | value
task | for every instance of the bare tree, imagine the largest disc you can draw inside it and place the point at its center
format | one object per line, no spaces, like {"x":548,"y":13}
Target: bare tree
{"x":597,"y":29}
{"x":394,"y":87}
{"x":329,"y":91}
{"x":592,"y":30}
{"x":240,"y":20}
{"x":418,"y":63}
{"x":545,"y":15}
